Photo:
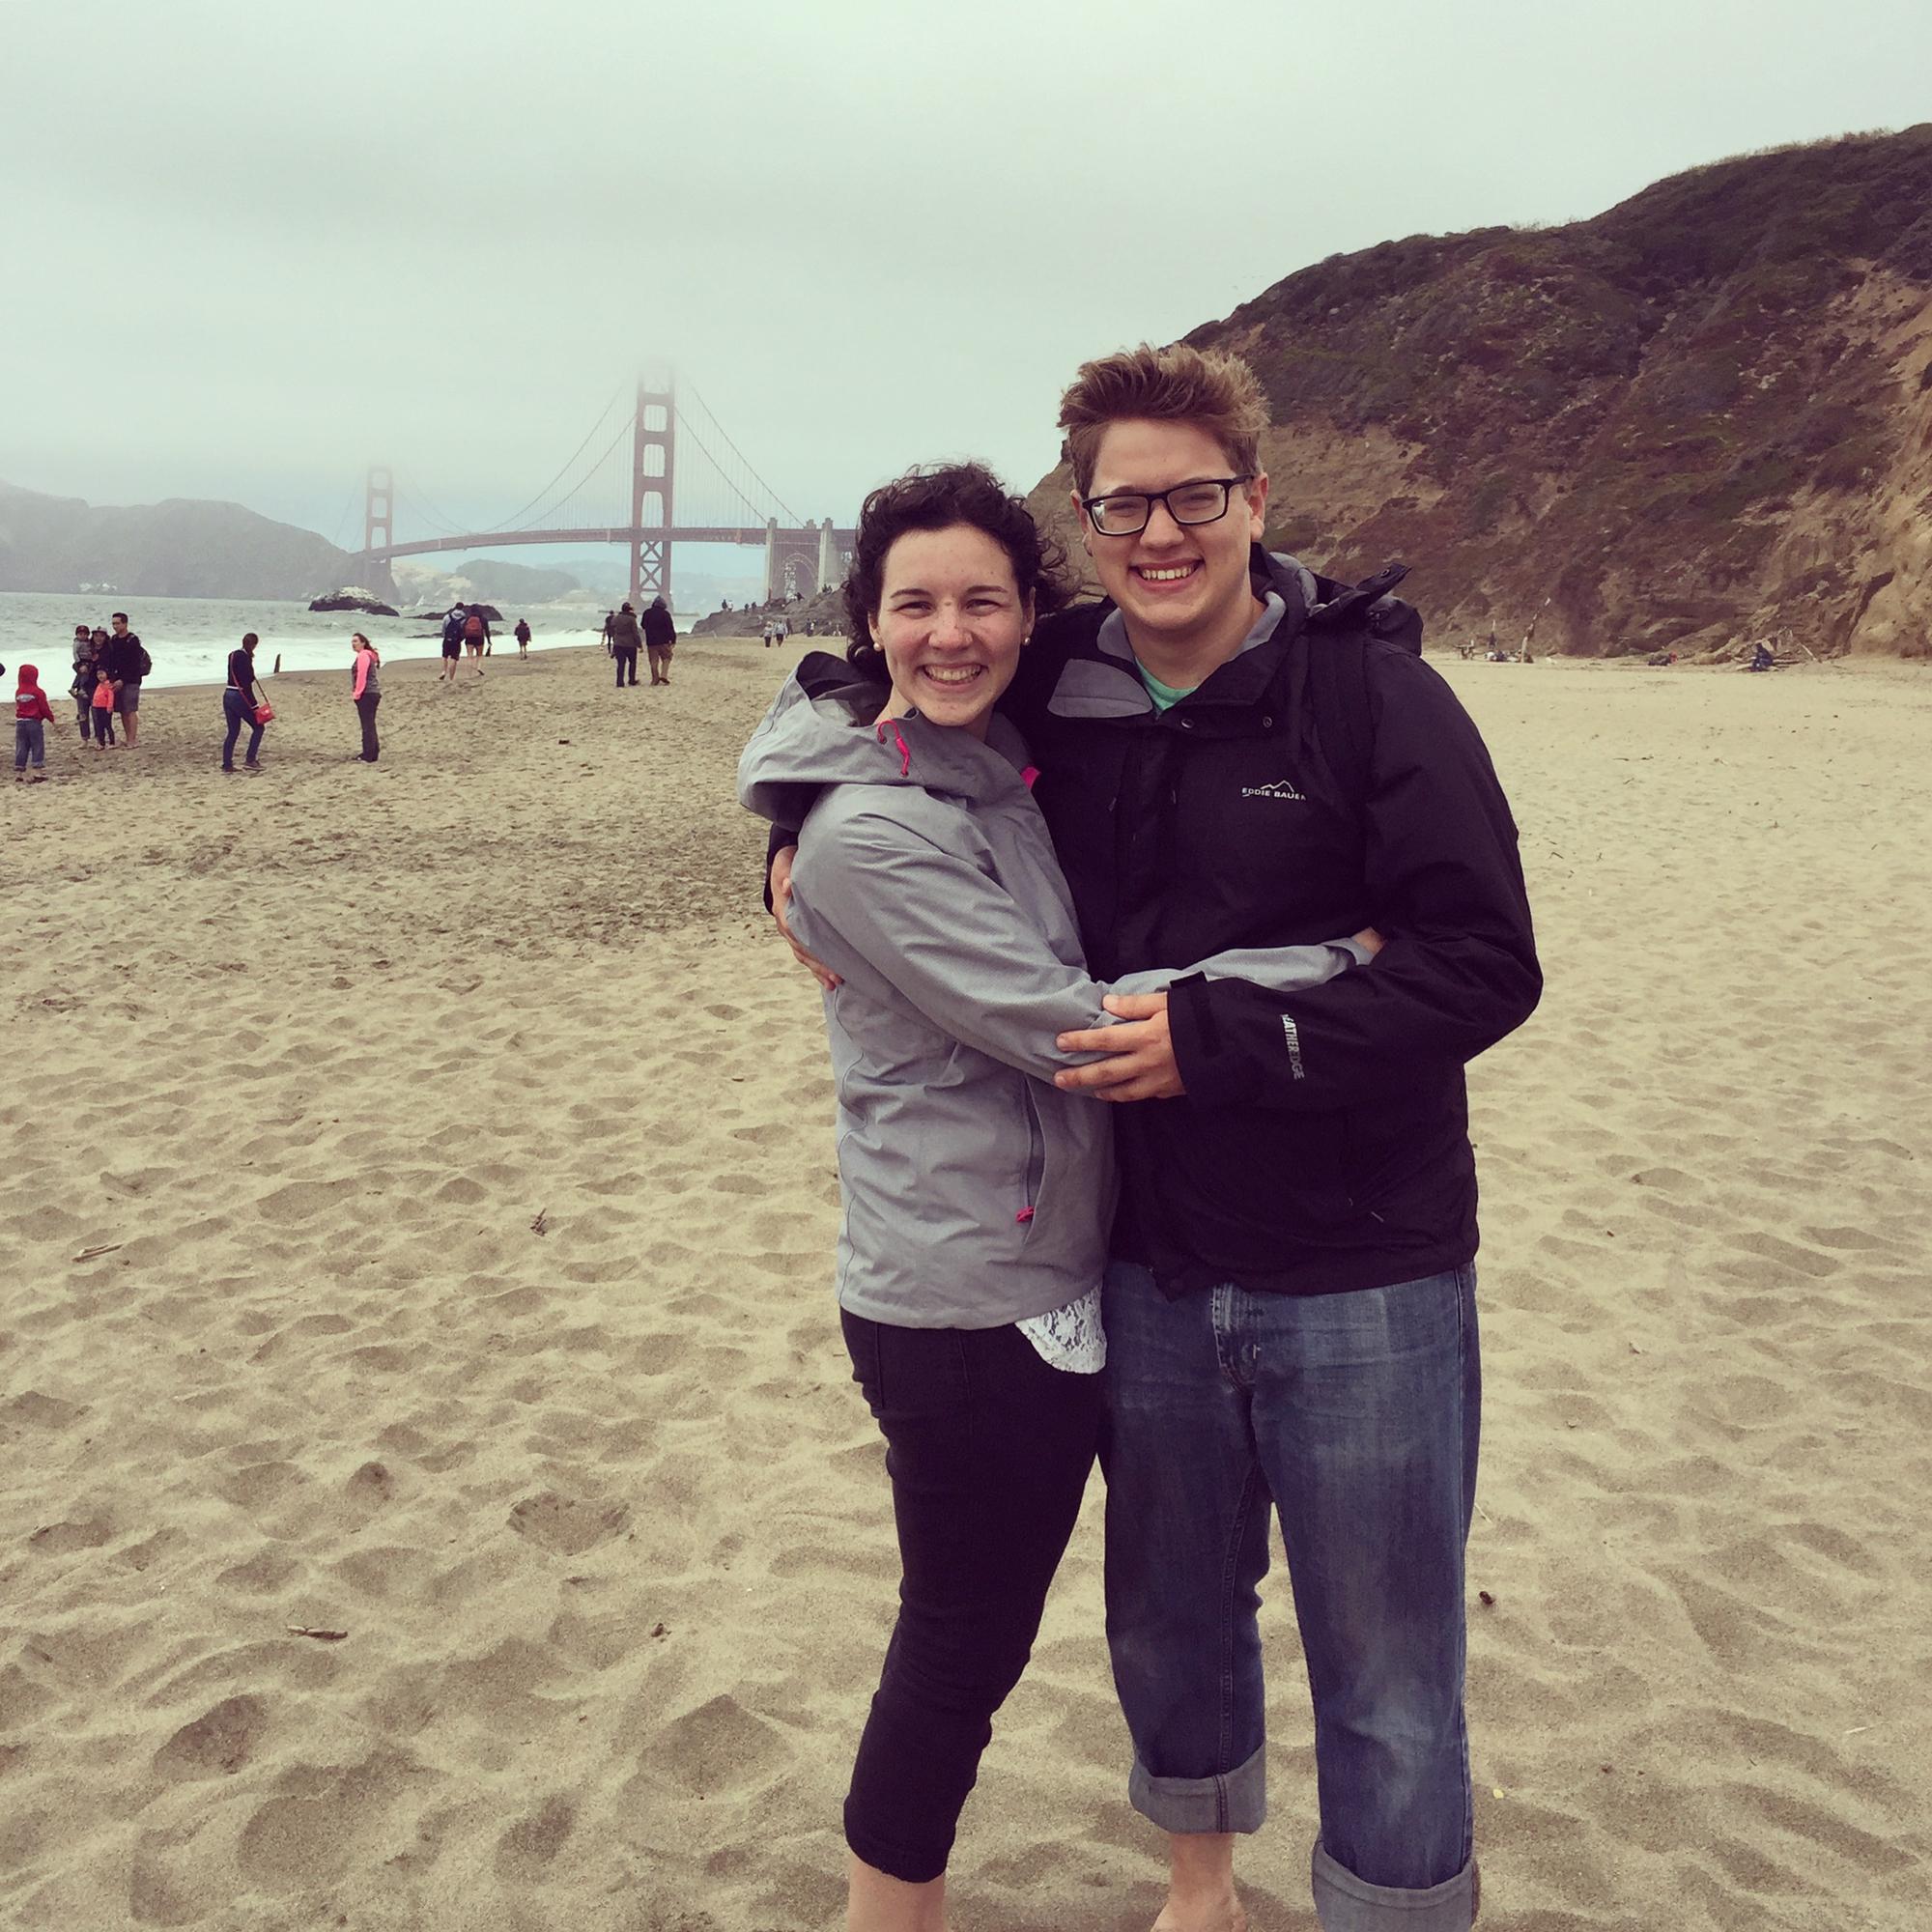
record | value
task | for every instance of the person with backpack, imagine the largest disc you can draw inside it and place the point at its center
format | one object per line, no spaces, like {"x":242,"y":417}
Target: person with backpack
{"x":625,"y":638}
{"x":127,"y":664}
{"x":453,"y":626}
{"x":1235,"y":752}
{"x":475,"y":636}
{"x":659,"y":638}
{"x":522,"y":637}
{"x":243,"y":702}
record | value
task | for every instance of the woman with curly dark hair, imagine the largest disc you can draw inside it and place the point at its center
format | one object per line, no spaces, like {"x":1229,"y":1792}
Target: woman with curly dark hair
{"x":978,"y":1196}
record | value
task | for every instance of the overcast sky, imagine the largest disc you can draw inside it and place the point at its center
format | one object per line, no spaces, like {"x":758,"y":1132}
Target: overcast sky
{"x":246,"y":250}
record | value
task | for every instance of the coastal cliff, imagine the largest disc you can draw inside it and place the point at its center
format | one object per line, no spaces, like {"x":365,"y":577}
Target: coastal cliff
{"x":1702,"y":416}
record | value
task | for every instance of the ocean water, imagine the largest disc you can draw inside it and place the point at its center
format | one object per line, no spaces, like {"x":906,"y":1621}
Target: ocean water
{"x":189,"y":638}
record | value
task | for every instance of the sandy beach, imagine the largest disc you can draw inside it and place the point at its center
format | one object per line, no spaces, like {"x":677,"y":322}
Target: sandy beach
{"x":433,"y":1496}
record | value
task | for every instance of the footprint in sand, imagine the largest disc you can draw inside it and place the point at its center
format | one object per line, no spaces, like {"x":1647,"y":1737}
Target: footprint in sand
{"x":34,"y":1410}
{"x":56,"y":1538}
{"x":717,"y":1748}
{"x":215,"y":1745}
{"x":526,"y":1851}
{"x":568,"y":1527}
{"x":371,"y":1486}
{"x":260,"y":1576}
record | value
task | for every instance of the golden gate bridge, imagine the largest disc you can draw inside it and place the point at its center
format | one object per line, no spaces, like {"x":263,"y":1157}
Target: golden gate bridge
{"x":622,"y":493}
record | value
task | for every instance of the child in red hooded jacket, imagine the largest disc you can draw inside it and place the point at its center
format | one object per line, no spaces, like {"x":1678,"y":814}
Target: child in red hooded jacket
{"x":32,"y":714}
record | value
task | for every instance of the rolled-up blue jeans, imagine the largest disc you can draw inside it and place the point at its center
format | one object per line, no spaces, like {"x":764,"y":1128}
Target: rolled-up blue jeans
{"x":1355,"y":1416}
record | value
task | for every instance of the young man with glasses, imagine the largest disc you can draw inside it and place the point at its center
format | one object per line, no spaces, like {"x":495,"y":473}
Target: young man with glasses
{"x":1229,"y":756}
{"x":1290,"y":1312}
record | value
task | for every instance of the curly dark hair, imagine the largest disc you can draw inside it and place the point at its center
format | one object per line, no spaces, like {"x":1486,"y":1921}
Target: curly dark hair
{"x":937,"y":498}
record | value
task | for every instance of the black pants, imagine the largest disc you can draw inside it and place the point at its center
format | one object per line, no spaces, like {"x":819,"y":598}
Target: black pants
{"x":989,"y":1450}
{"x":85,"y":707}
{"x":365,"y":709}
{"x":627,"y":660}
{"x":238,"y":710}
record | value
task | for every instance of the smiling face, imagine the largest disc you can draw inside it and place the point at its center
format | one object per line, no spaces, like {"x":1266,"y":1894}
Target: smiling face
{"x":1177,"y":584}
{"x":951,"y":622}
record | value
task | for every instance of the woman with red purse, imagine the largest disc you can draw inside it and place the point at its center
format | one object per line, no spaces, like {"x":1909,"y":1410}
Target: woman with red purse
{"x":243,"y":703}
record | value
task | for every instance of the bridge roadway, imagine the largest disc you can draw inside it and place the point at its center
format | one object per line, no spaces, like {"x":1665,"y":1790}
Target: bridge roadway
{"x":753,"y":535}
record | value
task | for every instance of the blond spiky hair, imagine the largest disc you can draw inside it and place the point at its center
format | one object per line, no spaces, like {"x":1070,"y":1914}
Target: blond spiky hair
{"x":1208,"y":387}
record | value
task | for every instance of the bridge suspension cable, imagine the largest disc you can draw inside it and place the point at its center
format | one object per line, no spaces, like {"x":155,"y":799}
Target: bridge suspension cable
{"x":791,"y":515}
{"x":576,"y":488}
{"x":513,"y":521}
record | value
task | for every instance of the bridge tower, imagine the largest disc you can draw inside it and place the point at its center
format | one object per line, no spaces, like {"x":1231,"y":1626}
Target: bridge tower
{"x":653,"y":449}
{"x":378,"y":530}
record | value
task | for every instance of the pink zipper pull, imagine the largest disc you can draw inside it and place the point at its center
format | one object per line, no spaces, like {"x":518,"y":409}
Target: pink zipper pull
{"x":1024,"y":1215}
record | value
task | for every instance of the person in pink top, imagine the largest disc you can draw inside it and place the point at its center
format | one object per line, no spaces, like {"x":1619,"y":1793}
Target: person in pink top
{"x":366,"y":693}
{"x":32,"y":715}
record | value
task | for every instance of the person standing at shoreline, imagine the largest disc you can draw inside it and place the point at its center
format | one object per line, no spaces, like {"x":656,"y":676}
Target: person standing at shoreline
{"x":366,"y":693}
{"x":127,"y":663}
{"x":86,"y":653}
{"x":522,"y":635}
{"x":240,"y":700}
{"x":32,"y":715}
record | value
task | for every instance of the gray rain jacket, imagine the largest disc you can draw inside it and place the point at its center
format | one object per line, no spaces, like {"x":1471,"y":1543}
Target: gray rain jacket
{"x":976,"y":1193}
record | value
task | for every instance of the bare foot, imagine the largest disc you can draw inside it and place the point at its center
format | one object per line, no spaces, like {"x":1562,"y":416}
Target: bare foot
{"x":1202,"y":1913}
{"x":1201,"y":1895}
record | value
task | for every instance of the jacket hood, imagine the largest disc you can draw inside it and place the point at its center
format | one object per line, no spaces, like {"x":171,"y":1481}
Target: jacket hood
{"x":821,"y":730}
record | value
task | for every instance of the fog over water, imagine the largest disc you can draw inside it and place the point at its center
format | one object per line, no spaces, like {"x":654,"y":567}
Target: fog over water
{"x":249,"y":250}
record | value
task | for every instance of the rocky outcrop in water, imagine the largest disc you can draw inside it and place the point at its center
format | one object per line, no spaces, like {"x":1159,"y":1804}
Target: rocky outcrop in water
{"x":353,"y":599}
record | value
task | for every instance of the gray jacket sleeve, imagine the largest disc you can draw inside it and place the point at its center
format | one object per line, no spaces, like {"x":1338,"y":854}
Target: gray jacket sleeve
{"x":1280,"y":969}
{"x":888,"y":905}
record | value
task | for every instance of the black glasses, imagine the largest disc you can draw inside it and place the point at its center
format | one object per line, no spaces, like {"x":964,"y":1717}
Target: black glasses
{"x":1127,"y":513}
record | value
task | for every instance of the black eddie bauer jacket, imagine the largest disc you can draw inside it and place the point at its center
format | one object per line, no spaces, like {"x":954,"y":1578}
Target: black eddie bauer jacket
{"x":1323,"y":1143}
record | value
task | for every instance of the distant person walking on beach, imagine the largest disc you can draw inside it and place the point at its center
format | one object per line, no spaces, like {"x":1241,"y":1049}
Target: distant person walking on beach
{"x":366,"y":693}
{"x":624,"y":640}
{"x":452,"y":644}
{"x":32,"y":715}
{"x":770,"y":632}
{"x":86,"y":655}
{"x":475,"y":635}
{"x":243,"y":703}
{"x":128,"y":663}
{"x":522,"y":637}
{"x":660,"y":636}
{"x":610,"y":642}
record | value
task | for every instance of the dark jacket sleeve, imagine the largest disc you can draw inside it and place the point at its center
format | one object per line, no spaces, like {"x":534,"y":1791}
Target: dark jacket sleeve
{"x":781,"y":835}
{"x":1444,"y":884}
